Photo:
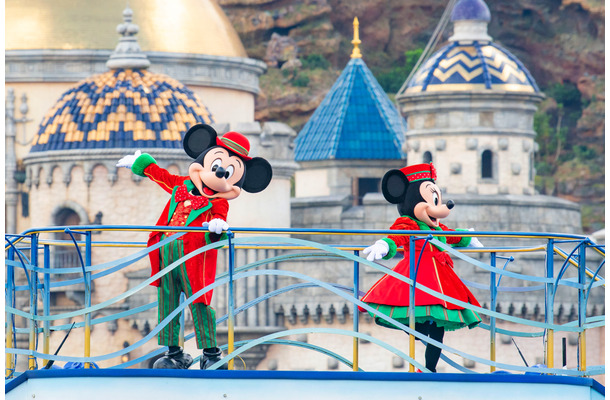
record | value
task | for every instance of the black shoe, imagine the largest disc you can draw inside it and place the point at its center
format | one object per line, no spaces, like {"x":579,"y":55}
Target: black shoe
{"x":210,"y":357}
{"x":174,"y":360}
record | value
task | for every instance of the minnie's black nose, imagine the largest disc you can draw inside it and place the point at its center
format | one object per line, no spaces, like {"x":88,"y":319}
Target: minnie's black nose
{"x":450,"y":204}
{"x":220,"y":172}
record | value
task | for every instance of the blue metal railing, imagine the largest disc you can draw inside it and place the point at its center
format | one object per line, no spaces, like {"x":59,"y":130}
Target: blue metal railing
{"x":289,"y":249}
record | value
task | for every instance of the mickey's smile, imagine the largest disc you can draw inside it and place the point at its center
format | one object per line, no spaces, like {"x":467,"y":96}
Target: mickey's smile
{"x":208,"y":192}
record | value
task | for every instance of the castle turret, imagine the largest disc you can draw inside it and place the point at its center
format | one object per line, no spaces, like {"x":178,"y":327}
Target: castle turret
{"x":470,"y":109}
{"x":353,"y":137}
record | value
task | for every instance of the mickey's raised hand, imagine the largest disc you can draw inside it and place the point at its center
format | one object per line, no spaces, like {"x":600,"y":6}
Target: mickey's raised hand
{"x":127,"y":161}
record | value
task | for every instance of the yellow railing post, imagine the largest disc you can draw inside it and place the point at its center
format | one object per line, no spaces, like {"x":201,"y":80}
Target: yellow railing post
{"x":550,"y":346}
{"x":9,"y":345}
{"x":582,"y":356}
{"x":10,"y":287}
{"x":412,"y":346}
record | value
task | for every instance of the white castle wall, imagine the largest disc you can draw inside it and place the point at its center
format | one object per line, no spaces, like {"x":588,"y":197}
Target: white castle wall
{"x":456,"y":128}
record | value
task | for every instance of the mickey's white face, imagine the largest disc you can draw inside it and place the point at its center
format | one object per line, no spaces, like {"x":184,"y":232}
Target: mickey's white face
{"x":218,"y":174}
{"x":432,"y":209}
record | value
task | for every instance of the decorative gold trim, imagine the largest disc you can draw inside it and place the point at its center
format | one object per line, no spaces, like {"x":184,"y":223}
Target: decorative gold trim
{"x":458,"y":87}
{"x":356,"y":41}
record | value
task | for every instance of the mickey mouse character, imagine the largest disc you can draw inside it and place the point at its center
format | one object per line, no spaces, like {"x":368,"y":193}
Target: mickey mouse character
{"x":420,"y":205}
{"x":221,"y":169}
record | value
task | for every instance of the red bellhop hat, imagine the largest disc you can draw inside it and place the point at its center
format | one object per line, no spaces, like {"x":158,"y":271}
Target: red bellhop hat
{"x":419,"y":172}
{"x":235,"y":142}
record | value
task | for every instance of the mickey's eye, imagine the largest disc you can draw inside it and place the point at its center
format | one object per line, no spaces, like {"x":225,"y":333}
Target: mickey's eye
{"x":435,"y":199}
{"x":230,"y":171}
{"x":216,"y":164}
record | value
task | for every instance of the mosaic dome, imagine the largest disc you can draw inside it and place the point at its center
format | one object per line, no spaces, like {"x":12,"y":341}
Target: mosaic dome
{"x":122,"y":108}
{"x":471,"y":60}
{"x":472,"y":66}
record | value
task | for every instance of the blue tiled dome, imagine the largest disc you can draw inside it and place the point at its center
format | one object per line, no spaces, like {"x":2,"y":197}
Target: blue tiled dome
{"x":124,"y":108}
{"x":472,"y":66}
{"x":356,"y":120}
{"x":471,"y":10}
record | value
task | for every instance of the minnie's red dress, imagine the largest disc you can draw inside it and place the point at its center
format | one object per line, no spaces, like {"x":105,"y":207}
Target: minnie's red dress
{"x":391,"y":296}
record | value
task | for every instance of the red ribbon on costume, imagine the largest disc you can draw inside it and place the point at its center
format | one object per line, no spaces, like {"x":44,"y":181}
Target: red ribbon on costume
{"x":442,"y":256}
{"x":197,"y":202}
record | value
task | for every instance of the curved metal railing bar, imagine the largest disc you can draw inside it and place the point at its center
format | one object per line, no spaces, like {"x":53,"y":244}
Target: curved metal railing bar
{"x":278,"y":259}
{"x":346,"y":255}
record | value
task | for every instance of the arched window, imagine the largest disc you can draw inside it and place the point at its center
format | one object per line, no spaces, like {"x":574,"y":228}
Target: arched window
{"x":67,"y":257}
{"x":362,"y":186}
{"x":427,"y":157}
{"x":487,"y":164}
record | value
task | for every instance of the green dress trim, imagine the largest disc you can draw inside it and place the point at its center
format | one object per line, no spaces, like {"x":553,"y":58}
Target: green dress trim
{"x":449,"y":319}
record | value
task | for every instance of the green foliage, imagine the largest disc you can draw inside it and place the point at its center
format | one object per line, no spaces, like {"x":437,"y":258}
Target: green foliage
{"x":301,"y":80}
{"x":392,"y":79}
{"x":584,"y":153}
{"x":315,"y":61}
{"x":566,"y":94}
{"x":555,"y":129}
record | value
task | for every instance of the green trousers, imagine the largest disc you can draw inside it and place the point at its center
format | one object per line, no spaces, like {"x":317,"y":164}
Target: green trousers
{"x":172,"y":285}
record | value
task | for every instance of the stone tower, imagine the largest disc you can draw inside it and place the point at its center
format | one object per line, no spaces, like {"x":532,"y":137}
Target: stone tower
{"x":470,"y":110}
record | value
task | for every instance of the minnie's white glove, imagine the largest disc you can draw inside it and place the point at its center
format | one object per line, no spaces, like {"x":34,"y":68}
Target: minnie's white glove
{"x":377,"y":251}
{"x":128,"y":161}
{"x":216,"y":225}
{"x":474,"y":242}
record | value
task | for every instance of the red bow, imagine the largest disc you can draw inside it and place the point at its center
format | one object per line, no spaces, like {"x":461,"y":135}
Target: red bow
{"x":197,"y":202}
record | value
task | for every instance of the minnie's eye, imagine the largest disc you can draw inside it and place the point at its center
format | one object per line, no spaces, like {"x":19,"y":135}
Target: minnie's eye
{"x":216,"y":164}
{"x":230,"y":171}
{"x":435,"y":199}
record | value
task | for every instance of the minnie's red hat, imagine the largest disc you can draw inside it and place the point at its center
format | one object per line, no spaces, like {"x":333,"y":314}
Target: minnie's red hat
{"x":235,"y":142}
{"x":419,"y":172}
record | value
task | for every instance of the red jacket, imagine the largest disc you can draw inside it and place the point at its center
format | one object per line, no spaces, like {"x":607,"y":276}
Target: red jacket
{"x":435,"y":271}
{"x":201,"y":269}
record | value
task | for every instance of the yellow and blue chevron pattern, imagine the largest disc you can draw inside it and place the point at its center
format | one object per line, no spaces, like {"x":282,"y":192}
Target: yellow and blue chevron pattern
{"x":473,"y":66}
{"x":121,"y":109}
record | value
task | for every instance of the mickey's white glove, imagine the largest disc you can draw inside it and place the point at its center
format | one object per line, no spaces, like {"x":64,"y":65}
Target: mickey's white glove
{"x":216,"y":225}
{"x":474,"y":242}
{"x":128,"y":161}
{"x":377,"y":251}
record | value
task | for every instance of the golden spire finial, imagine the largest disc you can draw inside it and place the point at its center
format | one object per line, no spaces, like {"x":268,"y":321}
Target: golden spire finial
{"x":356,"y":42}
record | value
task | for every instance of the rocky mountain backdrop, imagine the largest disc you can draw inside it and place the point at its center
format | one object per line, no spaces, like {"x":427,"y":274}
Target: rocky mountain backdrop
{"x":306,"y":44}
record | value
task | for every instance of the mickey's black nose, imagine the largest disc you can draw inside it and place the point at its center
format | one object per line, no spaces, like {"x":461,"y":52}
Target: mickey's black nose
{"x":450,"y":204}
{"x":220,"y":172}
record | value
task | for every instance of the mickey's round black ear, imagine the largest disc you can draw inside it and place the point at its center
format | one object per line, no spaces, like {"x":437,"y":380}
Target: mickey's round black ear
{"x":199,"y":138}
{"x":394,"y":186}
{"x":258,"y":175}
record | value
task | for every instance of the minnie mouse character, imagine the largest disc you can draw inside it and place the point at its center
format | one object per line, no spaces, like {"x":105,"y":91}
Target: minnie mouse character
{"x":221,"y":169}
{"x":420,"y":205}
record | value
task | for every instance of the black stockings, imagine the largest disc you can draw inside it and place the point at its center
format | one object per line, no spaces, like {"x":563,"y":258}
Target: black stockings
{"x":435,"y":332}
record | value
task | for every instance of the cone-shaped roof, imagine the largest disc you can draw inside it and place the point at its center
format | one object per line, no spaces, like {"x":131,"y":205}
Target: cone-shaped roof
{"x":356,"y":120}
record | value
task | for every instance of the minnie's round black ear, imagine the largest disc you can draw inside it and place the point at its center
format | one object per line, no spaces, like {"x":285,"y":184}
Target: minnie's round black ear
{"x":258,"y":175}
{"x":394,"y":186}
{"x":199,"y":138}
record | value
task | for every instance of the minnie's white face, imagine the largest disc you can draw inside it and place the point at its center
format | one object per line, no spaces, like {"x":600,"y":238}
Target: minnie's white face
{"x":432,"y":209}
{"x":218,"y":174}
